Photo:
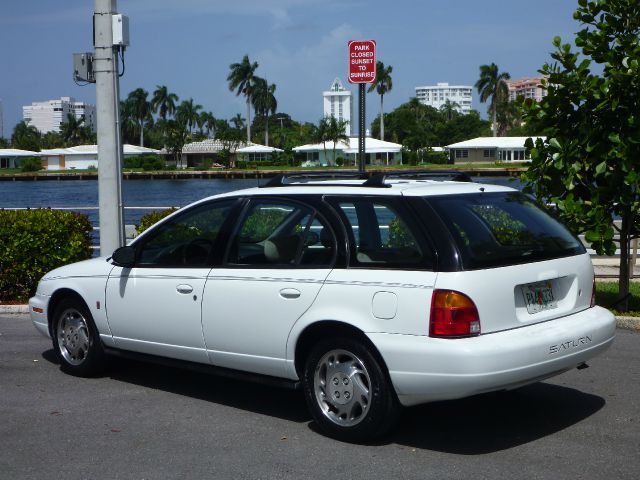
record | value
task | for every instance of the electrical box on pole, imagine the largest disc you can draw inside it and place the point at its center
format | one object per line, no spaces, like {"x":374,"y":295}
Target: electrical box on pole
{"x":83,"y":67}
{"x":120,"y":28}
{"x":362,"y":70}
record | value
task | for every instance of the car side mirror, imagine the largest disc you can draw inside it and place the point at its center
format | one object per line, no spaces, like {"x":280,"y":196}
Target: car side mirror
{"x":124,"y":256}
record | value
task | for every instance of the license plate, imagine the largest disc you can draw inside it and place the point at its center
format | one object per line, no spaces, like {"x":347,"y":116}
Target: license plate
{"x":539,"y":296}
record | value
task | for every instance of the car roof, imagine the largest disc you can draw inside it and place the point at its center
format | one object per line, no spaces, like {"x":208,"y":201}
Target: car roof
{"x":393,"y":187}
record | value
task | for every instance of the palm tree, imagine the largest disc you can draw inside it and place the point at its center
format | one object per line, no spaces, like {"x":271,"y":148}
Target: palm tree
{"x":382,"y":85}
{"x":242,"y":79}
{"x":140,"y":109}
{"x":74,"y":132}
{"x":208,"y":121}
{"x":26,"y":137}
{"x":330,"y":129}
{"x":492,"y":85}
{"x":163,"y":102}
{"x":450,"y":109}
{"x":128,"y":124}
{"x":264,"y":102}
{"x":238,"y":121}
{"x":188,"y":114}
{"x":336,"y":132}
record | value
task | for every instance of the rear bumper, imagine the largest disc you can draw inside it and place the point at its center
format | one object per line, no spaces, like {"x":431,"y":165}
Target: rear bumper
{"x":425,"y":369}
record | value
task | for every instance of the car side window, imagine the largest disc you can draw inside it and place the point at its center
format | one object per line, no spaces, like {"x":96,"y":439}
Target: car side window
{"x":281,"y":233}
{"x":185,"y":241}
{"x":380,"y":235}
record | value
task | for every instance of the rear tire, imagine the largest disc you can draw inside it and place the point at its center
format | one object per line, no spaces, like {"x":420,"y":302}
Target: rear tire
{"x":76,"y":339}
{"x":348,"y":391}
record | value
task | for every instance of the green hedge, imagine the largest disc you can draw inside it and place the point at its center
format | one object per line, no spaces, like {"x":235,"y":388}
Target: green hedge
{"x":146,"y":162}
{"x":33,"y":242}
{"x":30,"y":164}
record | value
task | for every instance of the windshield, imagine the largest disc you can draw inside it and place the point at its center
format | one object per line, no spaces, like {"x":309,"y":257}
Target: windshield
{"x":499,"y":229}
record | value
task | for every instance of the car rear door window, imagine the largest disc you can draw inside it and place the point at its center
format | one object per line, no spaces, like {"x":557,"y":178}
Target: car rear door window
{"x":381,"y":235}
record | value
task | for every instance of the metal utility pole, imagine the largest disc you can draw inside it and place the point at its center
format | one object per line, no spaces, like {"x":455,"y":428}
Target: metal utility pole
{"x":105,"y":63}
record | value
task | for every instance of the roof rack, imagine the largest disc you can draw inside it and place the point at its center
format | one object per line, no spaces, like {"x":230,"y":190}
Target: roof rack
{"x":378,"y":179}
{"x":280,"y":179}
{"x":374,"y":180}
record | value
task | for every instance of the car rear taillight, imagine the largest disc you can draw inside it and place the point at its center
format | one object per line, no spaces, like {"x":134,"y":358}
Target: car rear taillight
{"x":593,"y":292}
{"x":453,"y":314}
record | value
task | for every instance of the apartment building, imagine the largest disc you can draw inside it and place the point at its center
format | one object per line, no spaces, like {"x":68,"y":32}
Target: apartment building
{"x":437,"y":95}
{"x":338,"y":102}
{"x":48,"y":116}
{"x":526,"y":87}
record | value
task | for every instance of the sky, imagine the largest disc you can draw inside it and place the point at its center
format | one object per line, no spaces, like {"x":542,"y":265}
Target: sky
{"x":300,"y":45}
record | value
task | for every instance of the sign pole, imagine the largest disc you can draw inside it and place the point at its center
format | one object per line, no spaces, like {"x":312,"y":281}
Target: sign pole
{"x":361,"y":132}
{"x":362,"y":70}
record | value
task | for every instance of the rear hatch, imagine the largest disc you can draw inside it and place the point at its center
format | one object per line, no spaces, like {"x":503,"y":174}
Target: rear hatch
{"x":519,"y":265}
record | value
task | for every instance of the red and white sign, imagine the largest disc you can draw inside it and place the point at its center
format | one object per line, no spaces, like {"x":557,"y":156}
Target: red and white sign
{"x":362,"y":61}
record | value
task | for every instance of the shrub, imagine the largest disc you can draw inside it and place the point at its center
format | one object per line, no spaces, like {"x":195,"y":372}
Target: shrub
{"x":151,"y":218}
{"x":33,"y":242}
{"x":30,"y":164}
{"x":438,"y":158}
{"x":151,"y":162}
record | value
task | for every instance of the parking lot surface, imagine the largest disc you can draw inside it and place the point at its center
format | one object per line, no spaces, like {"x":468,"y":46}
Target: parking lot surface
{"x":142,"y":421}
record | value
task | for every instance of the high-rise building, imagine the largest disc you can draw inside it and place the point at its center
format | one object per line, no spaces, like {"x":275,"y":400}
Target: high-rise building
{"x":437,"y":95}
{"x":526,"y":87}
{"x":1,"y":121}
{"x":50,"y":115}
{"x":338,"y":102}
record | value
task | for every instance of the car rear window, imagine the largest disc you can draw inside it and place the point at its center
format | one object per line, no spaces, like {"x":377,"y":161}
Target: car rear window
{"x":500,"y":229}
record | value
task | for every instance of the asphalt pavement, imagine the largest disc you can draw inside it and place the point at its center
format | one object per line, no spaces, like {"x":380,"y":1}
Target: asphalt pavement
{"x":142,"y":421}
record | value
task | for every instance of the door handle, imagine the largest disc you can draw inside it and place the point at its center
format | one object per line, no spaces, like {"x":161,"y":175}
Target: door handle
{"x":289,"y":293}
{"x":184,"y":288}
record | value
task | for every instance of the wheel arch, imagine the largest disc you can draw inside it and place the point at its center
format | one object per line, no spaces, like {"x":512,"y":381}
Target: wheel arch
{"x":330,"y":328}
{"x":55,"y":300}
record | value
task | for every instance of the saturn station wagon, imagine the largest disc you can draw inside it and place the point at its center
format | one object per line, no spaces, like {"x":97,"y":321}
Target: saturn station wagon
{"x":369,"y":294}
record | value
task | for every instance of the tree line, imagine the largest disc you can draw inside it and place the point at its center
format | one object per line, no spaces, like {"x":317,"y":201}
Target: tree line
{"x":161,"y":120}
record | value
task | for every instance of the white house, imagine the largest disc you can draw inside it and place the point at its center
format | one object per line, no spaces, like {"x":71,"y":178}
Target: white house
{"x":10,"y":157}
{"x":490,"y":149}
{"x":83,"y":157}
{"x":378,"y":152}
{"x":256,"y":153}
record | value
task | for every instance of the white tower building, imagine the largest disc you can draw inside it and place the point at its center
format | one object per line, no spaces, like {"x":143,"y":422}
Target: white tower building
{"x":338,"y":102}
{"x":48,"y":116}
{"x":437,"y":95}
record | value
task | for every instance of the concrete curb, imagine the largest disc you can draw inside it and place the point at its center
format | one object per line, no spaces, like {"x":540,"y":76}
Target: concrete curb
{"x":14,"y":309}
{"x":628,"y":323}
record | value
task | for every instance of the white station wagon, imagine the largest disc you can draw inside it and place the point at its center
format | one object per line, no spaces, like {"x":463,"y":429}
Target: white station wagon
{"x":369,"y":294}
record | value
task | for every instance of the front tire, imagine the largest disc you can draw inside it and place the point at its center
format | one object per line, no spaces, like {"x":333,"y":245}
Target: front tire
{"x":348,"y":391}
{"x":76,"y":339}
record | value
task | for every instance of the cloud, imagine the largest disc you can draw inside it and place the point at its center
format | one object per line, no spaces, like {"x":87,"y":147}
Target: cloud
{"x":307,"y":70}
{"x":278,"y":10}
